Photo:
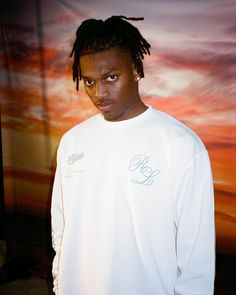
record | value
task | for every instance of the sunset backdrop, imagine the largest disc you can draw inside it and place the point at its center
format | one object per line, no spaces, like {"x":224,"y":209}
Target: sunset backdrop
{"x":190,"y":74}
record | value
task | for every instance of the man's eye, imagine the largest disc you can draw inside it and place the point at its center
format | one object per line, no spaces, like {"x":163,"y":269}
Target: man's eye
{"x":111,"y":78}
{"x":88,"y":82}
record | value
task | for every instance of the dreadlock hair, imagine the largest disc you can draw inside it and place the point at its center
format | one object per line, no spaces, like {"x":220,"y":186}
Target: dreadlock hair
{"x":94,"y":36}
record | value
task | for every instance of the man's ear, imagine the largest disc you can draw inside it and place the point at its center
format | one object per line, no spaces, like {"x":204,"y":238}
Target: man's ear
{"x":137,"y":76}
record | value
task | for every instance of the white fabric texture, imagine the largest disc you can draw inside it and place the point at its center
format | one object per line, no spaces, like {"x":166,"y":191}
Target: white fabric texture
{"x":133,"y":209}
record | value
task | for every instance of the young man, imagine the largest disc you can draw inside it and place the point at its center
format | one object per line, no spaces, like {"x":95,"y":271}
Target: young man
{"x":132,"y":205}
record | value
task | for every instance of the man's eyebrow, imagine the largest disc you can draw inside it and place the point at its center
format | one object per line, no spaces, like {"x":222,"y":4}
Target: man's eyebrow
{"x":84,"y":77}
{"x":110,"y":72}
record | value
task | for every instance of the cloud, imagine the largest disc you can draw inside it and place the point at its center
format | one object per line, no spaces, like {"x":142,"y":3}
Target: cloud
{"x":203,"y":71}
{"x":24,"y":58}
{"x":66,"y":13}
{"x":231,"y":31}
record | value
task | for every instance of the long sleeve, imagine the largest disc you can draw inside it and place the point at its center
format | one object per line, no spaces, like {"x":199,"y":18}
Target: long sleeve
{"x":195,"y":243}
{"x":57,"y":221}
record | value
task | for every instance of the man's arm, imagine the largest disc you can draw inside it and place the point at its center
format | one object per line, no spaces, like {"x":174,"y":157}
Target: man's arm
{"x":57,"y":222}
{"x":195,"y":243}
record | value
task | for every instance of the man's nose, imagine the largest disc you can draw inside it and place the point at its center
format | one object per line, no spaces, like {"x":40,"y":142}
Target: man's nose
{"x":100,"y":90}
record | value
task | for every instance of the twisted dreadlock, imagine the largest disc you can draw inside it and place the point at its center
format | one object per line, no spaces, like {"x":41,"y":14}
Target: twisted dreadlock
{"x":97,"y":35}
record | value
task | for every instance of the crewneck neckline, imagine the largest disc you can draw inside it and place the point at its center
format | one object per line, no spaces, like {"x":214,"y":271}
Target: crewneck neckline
{"x":128,"y":122}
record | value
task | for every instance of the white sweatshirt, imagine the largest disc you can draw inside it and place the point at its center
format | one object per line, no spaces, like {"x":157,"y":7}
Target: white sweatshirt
{"x":133,"y":209}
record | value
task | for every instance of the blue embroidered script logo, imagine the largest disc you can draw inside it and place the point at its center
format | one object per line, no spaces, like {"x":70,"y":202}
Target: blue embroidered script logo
{"x":145,"y":174}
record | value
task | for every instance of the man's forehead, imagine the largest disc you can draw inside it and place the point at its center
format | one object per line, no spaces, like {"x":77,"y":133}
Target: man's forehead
{"x":105,"y":61}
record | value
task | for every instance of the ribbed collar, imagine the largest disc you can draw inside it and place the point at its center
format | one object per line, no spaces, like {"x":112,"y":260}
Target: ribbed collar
{"x":129,"y":122}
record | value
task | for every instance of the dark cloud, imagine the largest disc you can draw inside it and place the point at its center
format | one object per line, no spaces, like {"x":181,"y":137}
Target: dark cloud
{"x":12,"y":33}
{"x":231,"y":31}
{"x":222,"y":45}
{"x":221,"y":145}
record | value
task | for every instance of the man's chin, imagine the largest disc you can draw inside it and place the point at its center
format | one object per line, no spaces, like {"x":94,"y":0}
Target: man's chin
{"x":110,"y":117}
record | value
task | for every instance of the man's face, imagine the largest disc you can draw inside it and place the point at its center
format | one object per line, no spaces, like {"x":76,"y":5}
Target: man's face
{"x":110,"y":82}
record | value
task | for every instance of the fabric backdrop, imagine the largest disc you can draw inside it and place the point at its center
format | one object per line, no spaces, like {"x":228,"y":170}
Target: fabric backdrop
{"x":190,"y":75}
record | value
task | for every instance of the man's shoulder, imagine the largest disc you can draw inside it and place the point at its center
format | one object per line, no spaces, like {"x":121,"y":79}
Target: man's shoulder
{"x":176,"y":131}
{"x":84,"y":127}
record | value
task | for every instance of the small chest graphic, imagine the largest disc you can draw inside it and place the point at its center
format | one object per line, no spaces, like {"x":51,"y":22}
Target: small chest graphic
{"x":74,"y":158}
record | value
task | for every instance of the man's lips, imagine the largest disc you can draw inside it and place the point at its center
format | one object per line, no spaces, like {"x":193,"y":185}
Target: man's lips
{"x":104,"y":105}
